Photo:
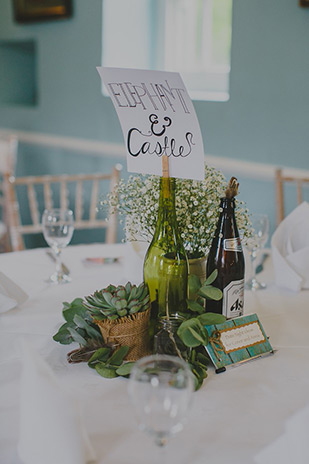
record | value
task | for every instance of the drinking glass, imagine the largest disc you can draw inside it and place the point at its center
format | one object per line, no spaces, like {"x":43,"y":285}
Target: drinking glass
{"x":260,"y":225}
{"x":58,"y":227}
{"x":160,"y":389}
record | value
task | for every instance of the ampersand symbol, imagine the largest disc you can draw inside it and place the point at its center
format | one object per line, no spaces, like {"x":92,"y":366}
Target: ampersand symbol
{"x":153,"y":118}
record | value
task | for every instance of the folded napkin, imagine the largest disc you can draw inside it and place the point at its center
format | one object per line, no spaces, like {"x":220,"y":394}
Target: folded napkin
{"x":290,"y":250}
{"x":292,"y":446}
{"x":51,"y":431}
{"x":10,"y":294}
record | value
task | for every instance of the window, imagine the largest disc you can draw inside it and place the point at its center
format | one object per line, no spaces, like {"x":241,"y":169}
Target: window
{"x":192,"y":37}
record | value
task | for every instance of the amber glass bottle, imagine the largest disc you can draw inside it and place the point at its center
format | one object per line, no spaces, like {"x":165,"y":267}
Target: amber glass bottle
{"x":226,"y":255}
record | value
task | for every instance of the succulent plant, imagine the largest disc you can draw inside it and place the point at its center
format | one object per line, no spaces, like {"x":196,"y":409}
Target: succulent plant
{"x":114,"y":302}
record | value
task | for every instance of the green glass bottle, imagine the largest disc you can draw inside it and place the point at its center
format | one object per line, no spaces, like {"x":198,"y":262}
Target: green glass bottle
{"x":166,"y":263}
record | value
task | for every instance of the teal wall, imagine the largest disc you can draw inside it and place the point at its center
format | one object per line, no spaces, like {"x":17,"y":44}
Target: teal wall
{"x":265,"y":120}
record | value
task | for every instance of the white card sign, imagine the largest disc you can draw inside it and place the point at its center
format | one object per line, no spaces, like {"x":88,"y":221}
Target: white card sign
{"x":157,"y":118}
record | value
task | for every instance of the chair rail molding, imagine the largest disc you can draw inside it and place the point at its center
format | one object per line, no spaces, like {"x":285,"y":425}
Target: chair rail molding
{"x":88,"y":147}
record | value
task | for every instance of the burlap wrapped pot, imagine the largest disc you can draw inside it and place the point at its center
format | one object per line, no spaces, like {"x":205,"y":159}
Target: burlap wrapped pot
{"x":132,"y":331}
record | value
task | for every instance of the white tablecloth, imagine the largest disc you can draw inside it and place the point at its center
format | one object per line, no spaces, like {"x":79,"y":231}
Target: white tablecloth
{"x":236,"y":416}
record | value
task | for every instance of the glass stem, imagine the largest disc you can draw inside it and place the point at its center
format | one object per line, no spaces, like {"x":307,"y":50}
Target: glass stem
{"x":253,"y":256}
{"x":58,"y":260}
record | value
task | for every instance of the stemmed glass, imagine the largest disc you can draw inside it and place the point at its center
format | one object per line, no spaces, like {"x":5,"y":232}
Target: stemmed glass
{"x":260,"y":225}
{"x":58,"y":227}
{"x":160,"y":389}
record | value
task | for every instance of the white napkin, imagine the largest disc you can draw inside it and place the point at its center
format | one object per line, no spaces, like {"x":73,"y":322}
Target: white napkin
{"x":292,"y":446}
{"x":290,"y":250}
{"x":51,"y":431}
{"x":10,"y":294}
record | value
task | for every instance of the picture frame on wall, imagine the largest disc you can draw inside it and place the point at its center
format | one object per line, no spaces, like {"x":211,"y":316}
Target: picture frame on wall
{"x":28,"y":11}
{"x":304,"y":3}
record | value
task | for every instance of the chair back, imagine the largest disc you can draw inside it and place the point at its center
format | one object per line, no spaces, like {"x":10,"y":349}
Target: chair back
{"x":8,"y":158}
{"x":281,"y":180}
{"x":79,"y":192}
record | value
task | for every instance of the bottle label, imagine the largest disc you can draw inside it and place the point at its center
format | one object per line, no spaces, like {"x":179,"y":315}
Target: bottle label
{"x":232,"y":244}
{"x":233,"y":299}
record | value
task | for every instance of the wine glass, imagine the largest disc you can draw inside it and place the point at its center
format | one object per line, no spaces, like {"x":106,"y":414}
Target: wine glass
{"x":260,"y":226}
{"x":160,"y":389}
{"x":58,"y":227}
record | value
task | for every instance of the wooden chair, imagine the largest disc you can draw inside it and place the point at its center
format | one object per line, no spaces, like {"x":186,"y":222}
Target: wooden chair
{"x":281,"y":180}
{"x":8,"y":158}
{"x":37,"y":193}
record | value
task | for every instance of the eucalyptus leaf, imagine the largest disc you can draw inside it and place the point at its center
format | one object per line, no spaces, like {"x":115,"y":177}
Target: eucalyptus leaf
{"x":125,"y":369}
{"x":91,"y":331}
{"x":194,"y":284}
{"x":77,"y":337}
{"x":105,"y":371}
{"x":63,"y":336}
{"x":211,"y":318}
{"x":201,"y":358}
{"x":76,"y":307}
{"x":211,"y":293}
{"x":210,"y":279}
{"x":118,"y":356}
{"x":197,"y":336}
{"x":186,"y":331}
{"x":101,"y":354}
{"x":195,"y":307}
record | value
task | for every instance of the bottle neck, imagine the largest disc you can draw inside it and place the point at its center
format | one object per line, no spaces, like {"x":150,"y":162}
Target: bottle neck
{"x":166,"y":221}
{"x":167,"y":198}
{"x":228,"y":205}
{"x":227,"y":226}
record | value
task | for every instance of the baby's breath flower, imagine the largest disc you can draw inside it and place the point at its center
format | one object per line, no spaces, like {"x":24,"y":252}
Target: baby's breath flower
{"x":197,"y":208}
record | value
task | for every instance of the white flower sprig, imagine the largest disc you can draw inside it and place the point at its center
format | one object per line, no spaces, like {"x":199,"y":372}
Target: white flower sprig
{"x":197,"y":209}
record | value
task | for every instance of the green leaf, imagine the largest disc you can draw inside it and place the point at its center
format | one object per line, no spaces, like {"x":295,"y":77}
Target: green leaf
{"x":81,"y":323}
{"x":117,"y":358}
{"x":201,"y":358}
{"x":128,"y":287}
{"x":210,"y":279}
{"x":211,"y":318}
{"x":74,"y":309}
{"x":121,"y":304}
{"x":197,"y":336}
{"x":194,"y":284}
{"x":104,"y":371}
{"x":63,"y":336}
{"x":132,"y":303}
{"x":77,"y":337}
{"x":101,"y":354}
{"x":121,"y":293}
{"x":125,"y":369}
{"x":135,"y":309}
{"x":195,"y":307}
{"x":211,"y":293}
{"x":187,"y":332}
{"x":122,"y":312}
{"x":66,"y":305}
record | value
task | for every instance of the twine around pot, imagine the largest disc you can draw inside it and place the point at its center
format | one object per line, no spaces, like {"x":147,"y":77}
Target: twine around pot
{"x":132,"y":331}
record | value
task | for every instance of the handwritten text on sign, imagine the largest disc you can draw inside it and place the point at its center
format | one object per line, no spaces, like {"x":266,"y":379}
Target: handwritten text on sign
{"x":157,"y":118}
